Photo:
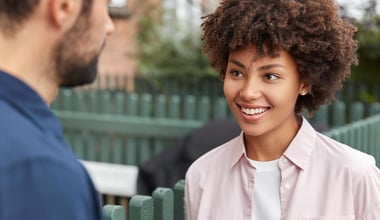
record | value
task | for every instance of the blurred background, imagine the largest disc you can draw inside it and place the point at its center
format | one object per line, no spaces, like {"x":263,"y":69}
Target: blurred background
{"x":157,"y":105}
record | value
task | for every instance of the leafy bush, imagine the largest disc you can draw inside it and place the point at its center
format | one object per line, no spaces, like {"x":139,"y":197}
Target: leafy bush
{"x":170,"y":52}
{"x":369,"y":54}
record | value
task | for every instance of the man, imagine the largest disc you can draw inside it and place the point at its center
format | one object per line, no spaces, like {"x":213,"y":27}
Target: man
{"x":44,"y":45}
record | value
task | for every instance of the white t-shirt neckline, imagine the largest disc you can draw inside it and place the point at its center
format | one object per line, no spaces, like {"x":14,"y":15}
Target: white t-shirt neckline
{"x":266,"y":196}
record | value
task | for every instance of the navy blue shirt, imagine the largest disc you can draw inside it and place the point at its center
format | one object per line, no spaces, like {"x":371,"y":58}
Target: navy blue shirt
{"x":40,"y":177}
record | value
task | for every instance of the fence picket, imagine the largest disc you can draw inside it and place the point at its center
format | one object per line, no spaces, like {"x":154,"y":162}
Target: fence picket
{"x":356,"y":112}
{"x":131,"y":151}
{"x":190,"y":106}
{"x":132,"y":104}
{"x":140,"y":208}
{"x":146,"y":105}
{"x":105,"y":150}
{"x":117,"y":151}
{"x":374,"y":109}
{"x":163,"y":200}
{"x":174,"y":106}
{"x":105,"y":103}
{"x":120,"y":103}
{"x":93,"y":101}
{"x":179,"y":202}
{"x":113,"y":212}
{"x":160,"y":106}
{"x":338,"y":112}
{"x":220,"y":108}
{"x":204,"y":108}
{"x":145,"y":150}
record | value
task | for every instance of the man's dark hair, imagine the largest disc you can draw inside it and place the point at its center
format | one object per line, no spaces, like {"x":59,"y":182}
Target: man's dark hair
{"x":311,"y":31}
{"x":14,"y":12}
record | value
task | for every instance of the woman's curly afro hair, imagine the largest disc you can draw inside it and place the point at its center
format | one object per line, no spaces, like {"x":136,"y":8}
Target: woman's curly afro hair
{"x":312,"y":31}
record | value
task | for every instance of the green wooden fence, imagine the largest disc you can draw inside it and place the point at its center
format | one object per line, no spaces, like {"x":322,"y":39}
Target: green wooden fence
{"x":142,"y":105}
{"x":164,"y":204}
{"x":188,"y":107}
{"x":113,"y":212}
{"x":128,"y":128}
{"x":212,"y":87}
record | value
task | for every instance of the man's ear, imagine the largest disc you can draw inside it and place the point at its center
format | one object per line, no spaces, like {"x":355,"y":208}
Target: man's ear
{"x":64,"y":13}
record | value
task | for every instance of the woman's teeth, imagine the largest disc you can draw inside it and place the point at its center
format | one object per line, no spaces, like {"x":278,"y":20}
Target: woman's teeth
{"x":253,"y":111}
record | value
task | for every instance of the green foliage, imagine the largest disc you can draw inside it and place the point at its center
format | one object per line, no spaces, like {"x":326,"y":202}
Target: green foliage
{"x":174,"y":50}
{"x":369,"y":55}
{"x":170,"y":52}
{"x":369,"y":45}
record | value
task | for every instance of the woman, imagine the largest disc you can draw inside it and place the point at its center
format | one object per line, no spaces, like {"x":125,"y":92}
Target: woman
{"x":277,"y":58}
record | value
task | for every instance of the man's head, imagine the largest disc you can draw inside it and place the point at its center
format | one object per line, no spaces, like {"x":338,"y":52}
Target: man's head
{"x":14,"y":13}
{"x":78,"y":29}
{"x":76,"y":55}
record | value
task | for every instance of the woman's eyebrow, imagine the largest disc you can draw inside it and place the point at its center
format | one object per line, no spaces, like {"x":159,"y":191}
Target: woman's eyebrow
{"x":269,"y":66}
{"x":237,"y":63}
{"x":262,"y":68}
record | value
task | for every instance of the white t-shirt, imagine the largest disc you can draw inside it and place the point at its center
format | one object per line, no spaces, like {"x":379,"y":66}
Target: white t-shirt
{"x":266,"y":203}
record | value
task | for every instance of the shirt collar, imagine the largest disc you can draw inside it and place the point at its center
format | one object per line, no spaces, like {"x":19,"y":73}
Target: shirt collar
{"x":238,"y":149}
{"x":302,"y":146}
{"x":25,"y":100}
{"x":298,"y":152}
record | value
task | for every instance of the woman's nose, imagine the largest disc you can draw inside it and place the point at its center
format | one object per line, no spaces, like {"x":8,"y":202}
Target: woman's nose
{"x":251,"y":90}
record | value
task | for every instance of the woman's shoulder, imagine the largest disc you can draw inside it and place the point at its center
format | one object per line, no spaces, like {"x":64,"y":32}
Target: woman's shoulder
{"x":217,"y":157}
{"x":344,"y":156}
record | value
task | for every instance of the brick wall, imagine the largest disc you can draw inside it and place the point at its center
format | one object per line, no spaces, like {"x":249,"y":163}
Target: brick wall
{"x":121,"y":45}
{"x":117,"y":57}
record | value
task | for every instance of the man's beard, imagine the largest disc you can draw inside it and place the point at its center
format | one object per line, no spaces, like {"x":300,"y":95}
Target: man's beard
{"x":75,"y":71}
{"x":73,"y":66}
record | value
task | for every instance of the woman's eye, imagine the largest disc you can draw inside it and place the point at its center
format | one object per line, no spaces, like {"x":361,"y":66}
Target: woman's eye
{"x":271,"y":76}
{"x":236,"y":73}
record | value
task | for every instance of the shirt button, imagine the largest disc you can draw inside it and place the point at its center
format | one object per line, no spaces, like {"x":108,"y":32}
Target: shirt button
{"x":286,"y":186}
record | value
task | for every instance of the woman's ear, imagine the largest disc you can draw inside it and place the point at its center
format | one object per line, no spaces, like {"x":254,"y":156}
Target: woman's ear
{"x":305,"y":88}
{"x":64,"y":13}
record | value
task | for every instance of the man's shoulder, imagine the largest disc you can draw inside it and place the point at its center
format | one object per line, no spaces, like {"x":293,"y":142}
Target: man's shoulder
{"x":41,"y":162}
{"x":63,"y":187}
{"x":12,"y":119}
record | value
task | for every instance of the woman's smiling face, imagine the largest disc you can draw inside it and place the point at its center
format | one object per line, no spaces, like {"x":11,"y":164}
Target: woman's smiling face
{"x":262,"y":92}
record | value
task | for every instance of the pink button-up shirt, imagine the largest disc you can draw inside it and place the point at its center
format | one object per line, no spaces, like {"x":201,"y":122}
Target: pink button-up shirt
{"x":321,"y":179}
